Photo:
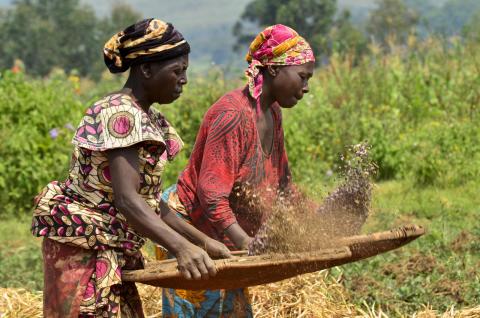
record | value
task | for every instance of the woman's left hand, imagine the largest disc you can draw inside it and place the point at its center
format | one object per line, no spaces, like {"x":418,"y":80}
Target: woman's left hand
{"x":216,"y":249}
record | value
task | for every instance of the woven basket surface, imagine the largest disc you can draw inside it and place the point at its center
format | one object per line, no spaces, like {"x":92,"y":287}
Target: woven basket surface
{"x":243,"y":271}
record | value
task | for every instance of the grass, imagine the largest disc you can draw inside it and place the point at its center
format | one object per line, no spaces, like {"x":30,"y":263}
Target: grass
{"x":20,"y":256}
{"x":440,"y":270}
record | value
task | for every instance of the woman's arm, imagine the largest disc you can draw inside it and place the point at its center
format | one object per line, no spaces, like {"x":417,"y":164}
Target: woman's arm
{"x":222,"y":157}
{"x":238,"y":236}
{"x":193,"y":262}
{"x":214,"y":248}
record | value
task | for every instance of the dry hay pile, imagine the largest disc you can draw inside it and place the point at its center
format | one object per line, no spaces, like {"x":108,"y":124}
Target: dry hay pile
{"x":304,"y":296}
{"x":312,"y":295}
{"x":20,"y":303}
{"x":296,"y":225}
{"x":451,"y":313}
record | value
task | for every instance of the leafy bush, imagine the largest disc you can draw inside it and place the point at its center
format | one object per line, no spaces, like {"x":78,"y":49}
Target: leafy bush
{"x":39,"y":118}
{"x":418,"y":108}
{"x":35,"y":129}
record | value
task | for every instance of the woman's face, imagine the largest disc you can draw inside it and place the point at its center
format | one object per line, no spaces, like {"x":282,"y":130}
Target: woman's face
{"x":166,"y":80}
{"x":291,"y":82}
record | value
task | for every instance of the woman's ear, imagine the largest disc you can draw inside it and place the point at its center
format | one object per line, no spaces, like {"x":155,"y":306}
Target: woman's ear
{"x":272,"y":70}
{"x":146,"y":70}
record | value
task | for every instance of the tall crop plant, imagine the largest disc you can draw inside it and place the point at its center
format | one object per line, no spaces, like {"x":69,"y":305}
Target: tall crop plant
{"x":39,"y":118}
{"x":417,"y":107}
{"x":36,"y":123}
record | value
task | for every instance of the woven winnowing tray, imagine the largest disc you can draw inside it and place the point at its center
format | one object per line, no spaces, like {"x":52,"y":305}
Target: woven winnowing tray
{"x":243,"y":271}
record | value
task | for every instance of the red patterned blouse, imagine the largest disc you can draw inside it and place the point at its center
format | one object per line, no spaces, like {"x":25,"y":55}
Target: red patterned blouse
{"x":228,"y":156}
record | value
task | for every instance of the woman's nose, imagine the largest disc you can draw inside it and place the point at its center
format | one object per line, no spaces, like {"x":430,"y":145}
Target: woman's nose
{"x":183,"y":79}
{"x":305,"y":88}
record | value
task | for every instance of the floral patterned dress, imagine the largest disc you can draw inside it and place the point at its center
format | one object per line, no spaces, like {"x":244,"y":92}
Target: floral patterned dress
{"x":87,"y":240}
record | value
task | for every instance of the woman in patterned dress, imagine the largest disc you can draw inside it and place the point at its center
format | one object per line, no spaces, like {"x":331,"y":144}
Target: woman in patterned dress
{"x":95,"y":222}
{"x":239,"y":150}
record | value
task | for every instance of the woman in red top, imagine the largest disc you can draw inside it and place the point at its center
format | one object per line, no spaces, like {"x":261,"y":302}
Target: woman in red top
{"x":240,"y":149}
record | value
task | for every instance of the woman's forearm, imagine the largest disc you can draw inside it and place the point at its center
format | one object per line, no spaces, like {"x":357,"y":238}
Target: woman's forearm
{"x":238,"y":236}
{"x":193,"y":262}
{"x":185,"y":229}
{"x":145,"y":221}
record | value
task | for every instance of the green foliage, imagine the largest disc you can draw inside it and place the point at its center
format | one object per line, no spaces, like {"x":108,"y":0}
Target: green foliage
{"x":121,"y":16}
{"x":439,"y":269}
{"x":419,"y":111}
{"x":451,"y":18}
{"x":443,"y":18}
{"x":391,"y":21}
{"x":35,"y":130}
{"x":470,"y":30}
{"x":310,"y":18}
{"x":20,"y":256}
{"x":58,"y":33}
{"x":345,"y":38}
{"x":39,"y":119}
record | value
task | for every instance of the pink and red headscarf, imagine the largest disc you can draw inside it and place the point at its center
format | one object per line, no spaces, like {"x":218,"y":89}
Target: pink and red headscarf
{"x":276,"y":45}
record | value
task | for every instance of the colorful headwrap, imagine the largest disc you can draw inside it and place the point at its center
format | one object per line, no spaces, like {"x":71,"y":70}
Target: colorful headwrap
{"x":276,"y":45}
{"x":145,"y":41}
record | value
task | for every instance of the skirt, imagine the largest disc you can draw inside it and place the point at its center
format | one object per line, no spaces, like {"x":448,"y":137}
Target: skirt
{"x":180,"y":303}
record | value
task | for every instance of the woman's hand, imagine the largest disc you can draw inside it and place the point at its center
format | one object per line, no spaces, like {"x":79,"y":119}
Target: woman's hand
{"x":212,"y":247}
{"x":194,"y":262}
{"x":217,"y":249}
{"x":238,"y":236}
{"x":246,"y":243}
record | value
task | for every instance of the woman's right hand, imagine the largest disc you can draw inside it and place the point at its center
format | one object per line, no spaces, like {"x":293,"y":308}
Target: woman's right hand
{"x":217,"y":249}
{"x":194,"y":263}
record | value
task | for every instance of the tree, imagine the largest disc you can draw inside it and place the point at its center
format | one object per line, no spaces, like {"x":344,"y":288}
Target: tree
{"x":470,"y":30}
{"x":122,"y":15}
{"x":310,"y":18}
{"x":452,"y":17}
{"x":45,"y":33}
{"x":56,"y":33}
{"x":392,"y":20}
{"x":344,"y":37}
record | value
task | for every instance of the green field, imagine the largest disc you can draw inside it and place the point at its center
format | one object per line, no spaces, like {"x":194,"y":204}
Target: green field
{"x":440,"y":269}
{"x":417,"y":107}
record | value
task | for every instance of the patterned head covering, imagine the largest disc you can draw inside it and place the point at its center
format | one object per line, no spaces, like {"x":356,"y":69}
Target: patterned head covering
{"x":145,"y":41}
{"x":276,"y":45}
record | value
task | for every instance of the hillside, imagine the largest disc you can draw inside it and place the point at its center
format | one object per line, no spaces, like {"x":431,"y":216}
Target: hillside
{"x":207,"y":24}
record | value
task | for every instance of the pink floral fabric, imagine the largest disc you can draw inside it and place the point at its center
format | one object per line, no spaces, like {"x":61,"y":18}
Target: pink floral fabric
{"x":80,"y":211}
{"x":71,"y":275}
{"x":276,"y":45}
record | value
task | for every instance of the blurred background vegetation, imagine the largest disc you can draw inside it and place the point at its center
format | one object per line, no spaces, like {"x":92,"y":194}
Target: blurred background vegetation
{"x":402,"y":74}
{"x":70,"y":33}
